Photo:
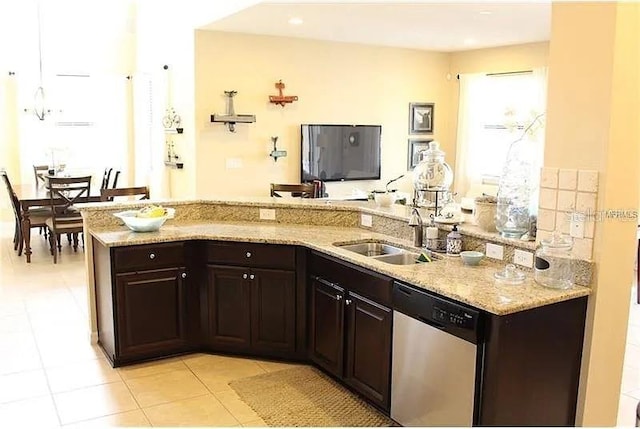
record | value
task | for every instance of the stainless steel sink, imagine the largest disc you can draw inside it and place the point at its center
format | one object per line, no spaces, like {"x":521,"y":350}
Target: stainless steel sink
{"x":382,"y":252}
{"x":372,"y":249}
{"x":404,"y":258}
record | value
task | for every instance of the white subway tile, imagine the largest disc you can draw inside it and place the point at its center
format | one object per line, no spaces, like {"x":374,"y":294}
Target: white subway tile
{"x":588,"y":180}
{"x":548,"y":198}
{"x":562,"y":222}
{"x":549,"y":177}
{"x":583,"y":248}
{"x":566,"y":201}
{"x":586,"y":202}
{"x":546,"y":219}
{"x":568,"y":178}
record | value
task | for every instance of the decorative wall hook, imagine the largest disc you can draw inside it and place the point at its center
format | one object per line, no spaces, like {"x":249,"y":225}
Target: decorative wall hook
{"x":275,"y":153}
{"x":282,"y":99}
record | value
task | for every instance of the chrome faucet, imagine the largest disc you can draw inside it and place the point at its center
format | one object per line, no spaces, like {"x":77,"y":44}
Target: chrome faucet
{"x":416,"y":222}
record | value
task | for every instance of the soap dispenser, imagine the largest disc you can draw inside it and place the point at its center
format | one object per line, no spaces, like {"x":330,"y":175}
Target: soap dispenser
{"x":454,"y":242}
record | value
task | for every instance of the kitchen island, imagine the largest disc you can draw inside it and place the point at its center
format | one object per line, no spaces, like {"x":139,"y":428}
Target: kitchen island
{"x":219,"y":279}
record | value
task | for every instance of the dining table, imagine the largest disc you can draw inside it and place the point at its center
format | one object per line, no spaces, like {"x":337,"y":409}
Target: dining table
{"x":30,"y":196}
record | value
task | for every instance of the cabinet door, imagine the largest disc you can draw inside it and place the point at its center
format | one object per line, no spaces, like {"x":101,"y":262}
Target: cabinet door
{"x":327,"y":322}
{"x":229,"y":307}
{"x":273,"y":320}
{"x":151,"y":313}
{"x":368,"y":362}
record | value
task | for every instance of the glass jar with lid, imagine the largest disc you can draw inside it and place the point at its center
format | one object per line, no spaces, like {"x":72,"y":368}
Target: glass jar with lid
{"x":432,"y":173}
{"x":554,"y":266}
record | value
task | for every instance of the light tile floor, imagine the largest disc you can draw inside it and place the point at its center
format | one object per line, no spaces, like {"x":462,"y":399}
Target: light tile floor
{"x":51,"y":377}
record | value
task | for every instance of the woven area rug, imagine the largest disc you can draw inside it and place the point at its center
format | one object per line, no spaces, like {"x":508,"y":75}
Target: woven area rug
{"x":305,"y":397}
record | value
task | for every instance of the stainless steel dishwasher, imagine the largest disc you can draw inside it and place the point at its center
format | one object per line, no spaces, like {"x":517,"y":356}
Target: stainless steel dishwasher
{"x":435,"y":360}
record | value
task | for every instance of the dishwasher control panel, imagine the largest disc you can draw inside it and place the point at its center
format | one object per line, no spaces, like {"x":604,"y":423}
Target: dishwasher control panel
{"x":457,"y":317}
{"x":444,"y":314}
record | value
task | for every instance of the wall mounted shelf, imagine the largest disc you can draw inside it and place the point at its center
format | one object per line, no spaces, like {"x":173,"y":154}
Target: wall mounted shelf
{"x":178,"y":165}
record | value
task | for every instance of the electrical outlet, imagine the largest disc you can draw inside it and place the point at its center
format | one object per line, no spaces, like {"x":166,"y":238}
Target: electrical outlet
{"x":576,"y":225}
{"x":495,"y":251}
{"x":267,"y":214}
{"x":233,"y":163}
{"x":366,"y":220}
{"x":524,"y":258}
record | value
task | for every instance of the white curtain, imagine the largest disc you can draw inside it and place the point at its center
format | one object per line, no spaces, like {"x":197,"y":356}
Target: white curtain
{"x":470,"y":108}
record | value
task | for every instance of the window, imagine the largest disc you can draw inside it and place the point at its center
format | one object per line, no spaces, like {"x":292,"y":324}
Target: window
{"x":495,"y":111}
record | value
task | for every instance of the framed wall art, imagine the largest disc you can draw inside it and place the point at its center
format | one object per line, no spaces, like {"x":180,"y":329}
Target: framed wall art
{"x":415,"y":147}
{"x":421,"y":118}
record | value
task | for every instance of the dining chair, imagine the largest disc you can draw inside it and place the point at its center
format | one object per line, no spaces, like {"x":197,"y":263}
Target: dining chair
{"x":40,"y":172}
{"x":302,"y":190}
{"x":105,"y":178}
{"x":64,"y":193}
{"x":115,"y":180}
{"x":109,"y":194}
{"x":37,"y":216}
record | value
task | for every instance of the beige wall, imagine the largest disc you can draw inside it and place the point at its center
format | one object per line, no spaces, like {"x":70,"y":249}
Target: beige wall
{"x":592,"y":123}
{"x":336,"y":83}
{"x":492,"y":60}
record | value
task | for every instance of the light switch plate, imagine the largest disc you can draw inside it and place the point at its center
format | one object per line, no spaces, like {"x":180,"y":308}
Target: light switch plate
{"x":576,"y":225}
{"x":522,"y":257}
{"x":267,"y":214}
{"x":495,"y":251}
{"x":366,"y":220}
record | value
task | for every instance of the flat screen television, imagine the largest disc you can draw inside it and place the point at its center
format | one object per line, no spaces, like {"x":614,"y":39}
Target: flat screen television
{"x":334,"y":153}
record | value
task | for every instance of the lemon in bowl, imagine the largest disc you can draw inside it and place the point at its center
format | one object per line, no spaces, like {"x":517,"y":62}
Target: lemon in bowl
{"x":146,"y":219}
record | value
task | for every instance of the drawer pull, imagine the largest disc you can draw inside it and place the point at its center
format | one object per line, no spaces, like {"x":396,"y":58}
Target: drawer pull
{"x":152,"y":256}
{"x":347,"y":301}
{"x":248,"y":254}
{"x":252,"y":276}
{"x":244,"y":276}
{"x":184,"y":275}
{"x":338,"y":297}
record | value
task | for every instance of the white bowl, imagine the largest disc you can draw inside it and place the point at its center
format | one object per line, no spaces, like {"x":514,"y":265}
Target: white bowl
{"x":143,"y":224}
{"x":384,"y":199}
{"x":471,"y":257}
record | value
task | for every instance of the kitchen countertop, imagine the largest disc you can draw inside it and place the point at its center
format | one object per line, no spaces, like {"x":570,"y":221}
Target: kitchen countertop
{"x":447,"y":276}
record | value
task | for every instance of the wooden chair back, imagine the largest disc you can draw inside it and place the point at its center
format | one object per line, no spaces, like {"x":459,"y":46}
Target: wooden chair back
{"x":109,"y":194}
{"x":64,"y":193}
{"x":303,"y":190}
{"x":105,"y":178}
{"x":39,"y":172}
{"x":15,"y":203}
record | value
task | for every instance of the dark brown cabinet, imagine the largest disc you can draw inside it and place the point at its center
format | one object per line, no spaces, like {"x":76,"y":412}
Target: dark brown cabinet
{"x":368,"y":362}
{"x":350,"y":334}
{"x":252,"y":305}
{"x":147,"y":304}
{"x":151,"y":314}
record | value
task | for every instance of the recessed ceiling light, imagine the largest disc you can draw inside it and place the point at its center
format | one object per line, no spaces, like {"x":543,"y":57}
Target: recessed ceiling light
{"x":295,"y":21}
{"x":469,"y":41}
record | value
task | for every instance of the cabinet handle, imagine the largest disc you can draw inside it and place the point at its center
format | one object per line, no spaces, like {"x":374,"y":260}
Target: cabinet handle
{"x":248,"y":254}
{"x":347,"y":301}
{"x":338,"y":297}
{"x":184,"y":275}
{"x":252,"y":276}
{"x":152,"y":256}
{"x":244,"y":276}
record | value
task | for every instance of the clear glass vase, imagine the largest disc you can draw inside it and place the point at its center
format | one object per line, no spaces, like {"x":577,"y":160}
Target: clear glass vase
{"x":515,"y":189}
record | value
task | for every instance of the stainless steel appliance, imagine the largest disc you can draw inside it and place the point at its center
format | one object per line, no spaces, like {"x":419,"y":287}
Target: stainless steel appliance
{"x":435,"y":360}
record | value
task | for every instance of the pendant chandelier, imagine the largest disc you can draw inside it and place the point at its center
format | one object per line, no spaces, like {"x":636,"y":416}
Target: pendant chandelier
{"x":38,"y":98}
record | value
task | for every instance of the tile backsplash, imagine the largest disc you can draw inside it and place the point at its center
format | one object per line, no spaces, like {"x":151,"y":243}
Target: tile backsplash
{"x":564,"y":195}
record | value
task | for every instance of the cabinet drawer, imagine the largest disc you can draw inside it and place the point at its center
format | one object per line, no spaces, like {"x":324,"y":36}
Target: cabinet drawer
{"x":151,"y":256}
{"x":367,"y":283}
{"x":252,"y":255}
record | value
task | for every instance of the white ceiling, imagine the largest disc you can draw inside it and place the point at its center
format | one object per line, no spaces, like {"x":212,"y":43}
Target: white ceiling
{"x":450,"y":26}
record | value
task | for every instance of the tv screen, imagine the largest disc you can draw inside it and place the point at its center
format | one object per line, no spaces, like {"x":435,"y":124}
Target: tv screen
{"x":340,"y":152}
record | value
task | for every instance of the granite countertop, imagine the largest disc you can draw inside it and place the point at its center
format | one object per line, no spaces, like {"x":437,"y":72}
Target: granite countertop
{"x":447,"y":276}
